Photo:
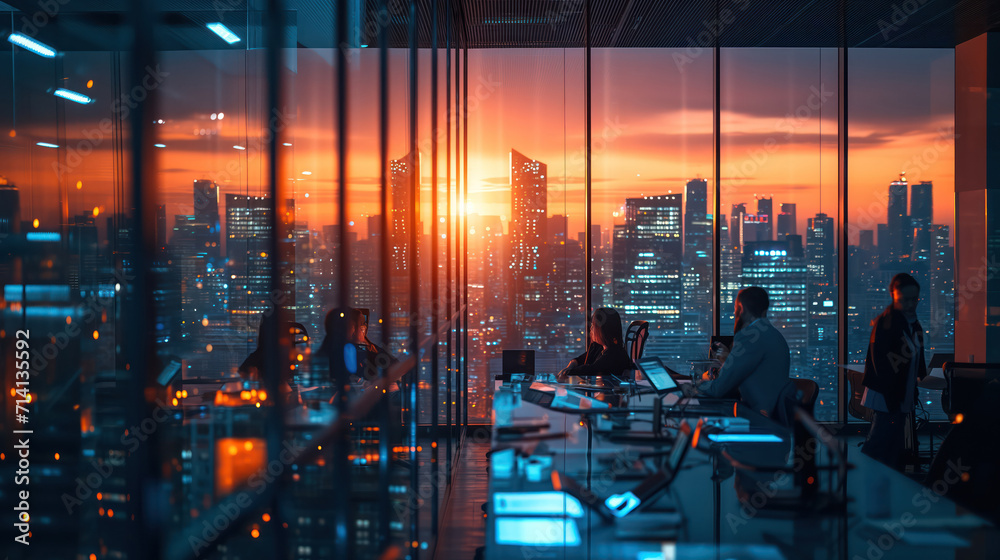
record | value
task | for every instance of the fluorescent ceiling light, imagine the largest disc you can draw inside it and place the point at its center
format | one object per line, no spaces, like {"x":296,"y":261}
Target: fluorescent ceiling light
{"x":224,"y":32}
{"x":72,"y":96}
{"x":25,"y":42}
{"x":239,"y":147}
{"x":46,"y":145}
{"x":160,"y":145}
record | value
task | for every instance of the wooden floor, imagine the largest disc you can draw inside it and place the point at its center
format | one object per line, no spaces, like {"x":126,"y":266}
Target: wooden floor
{"x":463,"y":528}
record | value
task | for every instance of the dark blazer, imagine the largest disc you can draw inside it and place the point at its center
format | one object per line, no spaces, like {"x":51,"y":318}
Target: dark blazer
{"x":758,"y":365}
{"x":598,"y":361}
{"x":889,"y":356}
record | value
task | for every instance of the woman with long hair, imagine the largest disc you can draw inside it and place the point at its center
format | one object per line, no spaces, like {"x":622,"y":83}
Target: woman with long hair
{"x":606,"y":354}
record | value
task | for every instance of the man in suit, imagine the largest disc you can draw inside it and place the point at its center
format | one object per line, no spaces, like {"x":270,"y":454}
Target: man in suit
{"x":893,"y":366}
{"x":758,"y":363}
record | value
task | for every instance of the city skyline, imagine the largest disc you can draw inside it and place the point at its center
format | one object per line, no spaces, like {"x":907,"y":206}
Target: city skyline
{"x":645,"y":139}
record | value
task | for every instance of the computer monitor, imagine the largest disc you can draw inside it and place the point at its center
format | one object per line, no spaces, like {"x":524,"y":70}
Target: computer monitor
{"x":720,"y":340}
{"x":518,"y":361}
{"x":660,"y":376}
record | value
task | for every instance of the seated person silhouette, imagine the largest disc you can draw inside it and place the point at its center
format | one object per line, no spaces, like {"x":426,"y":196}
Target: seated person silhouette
{"x":606,"y":354}
{"x":254,"y":366}
{"x":758,"y":364}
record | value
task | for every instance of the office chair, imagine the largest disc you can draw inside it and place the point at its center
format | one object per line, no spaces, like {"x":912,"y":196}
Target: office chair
{"x":300,"y":336}
{"x":635,"y":340}
{"x":807,"y":391}
{"x":854,"y":406}
{"x":964,"y":385}
{"x":972,"y":401}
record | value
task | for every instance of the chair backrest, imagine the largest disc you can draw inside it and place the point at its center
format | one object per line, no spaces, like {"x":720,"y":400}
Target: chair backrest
{"x":635,"y":339}
{"x":854,"y":406}
{"x":964,"y":385}
{"x":300,"y":336}
{"x":808,"y":391}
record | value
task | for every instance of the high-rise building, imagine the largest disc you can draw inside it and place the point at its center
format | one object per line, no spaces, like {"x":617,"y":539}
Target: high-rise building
{"x":248,"y":242}
{"x":942,"y":291}
{"x":403,"y":173}
{"x":206,"y":218}
{"x":651,"y":277}
{"x":10,"y":225}
{"x":161,"y":228}
{"x":772,"y":266}
{"x":866,"y":239}
{"x":765,"y":207}
{"x":921,"y":216}
{"x":736,"y":225}
{"x":84,"y":253}
{"x":527,"y":271}
{"x":787,"y":220}
{"x":755,"y":227}
{"x":732,"y":270}
{"x":897,"y":222}
{"x":697,"y":276}
{"x":697,"y":223}
{"x":820,"y":250}
{"x":822,"y":299}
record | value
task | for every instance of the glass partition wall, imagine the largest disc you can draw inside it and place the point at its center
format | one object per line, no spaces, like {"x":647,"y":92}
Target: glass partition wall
{"x":236,"y":252}
{"x":265,"y":284}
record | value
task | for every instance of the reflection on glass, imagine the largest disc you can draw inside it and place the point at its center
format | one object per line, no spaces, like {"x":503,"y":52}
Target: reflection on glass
{"x":779,"y":200}
{"x":900,"y":191}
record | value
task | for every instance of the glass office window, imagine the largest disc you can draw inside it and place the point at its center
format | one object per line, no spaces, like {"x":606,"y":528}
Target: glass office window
{"x":779,"y":200}
{"x":653,"y":197}
{"x":526,"y":211}
{"x":901,"y":200}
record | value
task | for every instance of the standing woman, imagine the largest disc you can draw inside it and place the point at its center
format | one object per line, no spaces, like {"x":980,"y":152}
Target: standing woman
{"x":893,"y":366}
{"x":606,"y":354}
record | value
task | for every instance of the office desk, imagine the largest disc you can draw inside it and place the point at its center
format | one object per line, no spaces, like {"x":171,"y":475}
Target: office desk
{"x":885,"y":515}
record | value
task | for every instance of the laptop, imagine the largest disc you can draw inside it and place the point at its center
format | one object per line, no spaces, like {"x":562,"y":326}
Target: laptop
{"x":659,"y":376}
{"x":617,"y":506}
{"x":540,"y":394}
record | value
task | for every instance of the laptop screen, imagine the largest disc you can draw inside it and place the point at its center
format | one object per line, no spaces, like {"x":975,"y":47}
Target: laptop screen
{"x":657,"y":374}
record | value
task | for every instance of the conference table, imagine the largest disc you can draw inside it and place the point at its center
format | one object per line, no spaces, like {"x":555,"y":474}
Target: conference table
{"x":738,"y":493}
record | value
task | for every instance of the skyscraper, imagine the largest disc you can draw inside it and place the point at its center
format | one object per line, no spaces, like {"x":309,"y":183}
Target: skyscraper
{"x":770,"y":265}
{"x":697,"y":223}
{"x":248,"y":242}
{"x":697,"y":277}
{"x":161,"y":228}
{"x":206,"y":218}
{"x":942,"y":291}
{"x":527,"y":271}
{"x":822,"y":300}
{"x":402,"y":173}
{"x":787,"y":220}
{"x":820,"y":250}
{"x":897,"y":222}
{"x":651,"y":278}
{"x":736,"y":225}
{"x":765,"y":207}
{"x":921,"y":216}
{"x":755,"y":228}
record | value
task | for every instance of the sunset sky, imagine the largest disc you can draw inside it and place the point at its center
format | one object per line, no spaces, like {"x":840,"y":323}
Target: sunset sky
{"x":651,"y":115}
